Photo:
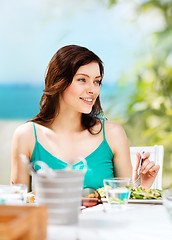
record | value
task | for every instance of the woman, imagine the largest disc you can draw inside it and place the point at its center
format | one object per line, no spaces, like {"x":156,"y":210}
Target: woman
{"x":68,"y":125}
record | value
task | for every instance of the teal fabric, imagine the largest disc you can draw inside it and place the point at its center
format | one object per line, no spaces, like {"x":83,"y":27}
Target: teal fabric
{"x":99,"y":163}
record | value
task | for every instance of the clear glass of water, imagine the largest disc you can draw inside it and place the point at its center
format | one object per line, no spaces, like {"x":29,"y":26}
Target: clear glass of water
{"x":167,"y":201}
{"x":117,"y":191}
{"x":13,"y":194}
{"x":20,"y":189}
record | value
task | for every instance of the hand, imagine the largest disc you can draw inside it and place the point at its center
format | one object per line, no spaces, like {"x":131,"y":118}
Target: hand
{"x":148,"y":171}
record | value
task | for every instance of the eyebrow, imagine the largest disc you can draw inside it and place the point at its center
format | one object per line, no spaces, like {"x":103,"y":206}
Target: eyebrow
{"x":87,"y":75}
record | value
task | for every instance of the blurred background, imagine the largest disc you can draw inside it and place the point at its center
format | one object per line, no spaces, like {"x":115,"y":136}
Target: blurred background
{"x":134,"y":40}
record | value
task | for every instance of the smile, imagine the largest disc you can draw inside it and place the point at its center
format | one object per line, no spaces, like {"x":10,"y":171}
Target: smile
{"x":87,"y":100}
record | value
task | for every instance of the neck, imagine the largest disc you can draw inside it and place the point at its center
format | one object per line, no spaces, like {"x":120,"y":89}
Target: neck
{"x":67,"y":121}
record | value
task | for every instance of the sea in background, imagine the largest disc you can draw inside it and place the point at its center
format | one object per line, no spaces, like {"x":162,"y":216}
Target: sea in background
{"x":21,"y":101}
{"x":33,"y":30}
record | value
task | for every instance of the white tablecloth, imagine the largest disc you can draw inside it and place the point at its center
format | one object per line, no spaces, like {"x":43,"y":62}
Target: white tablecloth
{"x":137,"y":222}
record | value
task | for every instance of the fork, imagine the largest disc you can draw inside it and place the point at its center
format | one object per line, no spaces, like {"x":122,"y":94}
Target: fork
{"x":138,"y":181}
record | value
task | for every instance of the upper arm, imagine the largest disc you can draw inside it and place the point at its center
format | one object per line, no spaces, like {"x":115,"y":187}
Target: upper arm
{"x":20,"y":144}
{"x":118,"y":142}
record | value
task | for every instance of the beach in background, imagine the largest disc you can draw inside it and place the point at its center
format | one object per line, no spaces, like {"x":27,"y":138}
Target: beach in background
{"x":7,"y":128}
{"x":19,"y":103}
{"x":135,"y":48}
{"x":33,"y":31}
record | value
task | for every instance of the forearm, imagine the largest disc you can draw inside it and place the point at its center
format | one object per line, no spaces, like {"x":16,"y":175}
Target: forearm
{"x":19,"y":175}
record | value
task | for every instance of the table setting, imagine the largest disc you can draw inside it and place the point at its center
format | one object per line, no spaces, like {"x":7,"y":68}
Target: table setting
{"x":135,"y":220}
{"x":67,"y":211}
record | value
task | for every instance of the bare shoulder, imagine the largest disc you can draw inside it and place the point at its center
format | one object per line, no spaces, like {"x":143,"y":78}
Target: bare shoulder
{"x":115,"y":135}
{"x":24,"y":135}
{"x":24,"y":131}
{"x":113,"y":129}
{"x":23,"y":140}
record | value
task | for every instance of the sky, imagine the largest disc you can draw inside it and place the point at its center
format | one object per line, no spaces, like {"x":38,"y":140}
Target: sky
{"x":32,"y":31}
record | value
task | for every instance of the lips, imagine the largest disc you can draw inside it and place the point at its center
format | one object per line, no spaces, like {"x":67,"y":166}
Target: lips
{"x":87,"y":100}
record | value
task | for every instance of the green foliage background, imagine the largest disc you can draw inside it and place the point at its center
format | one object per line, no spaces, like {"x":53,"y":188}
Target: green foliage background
{"x":148,"y":119}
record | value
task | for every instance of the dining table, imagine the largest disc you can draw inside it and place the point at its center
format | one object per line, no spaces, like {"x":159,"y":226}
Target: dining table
{"x":137,"y":221}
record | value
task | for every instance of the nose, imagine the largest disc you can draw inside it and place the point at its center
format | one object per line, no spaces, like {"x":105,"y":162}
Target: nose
{"x":90,"y":88}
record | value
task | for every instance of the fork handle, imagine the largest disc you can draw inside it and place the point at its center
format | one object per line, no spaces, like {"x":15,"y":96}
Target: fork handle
{"x":140,"y":165}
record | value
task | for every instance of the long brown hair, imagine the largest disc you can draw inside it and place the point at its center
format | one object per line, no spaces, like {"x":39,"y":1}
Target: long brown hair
{"x":59,"y":75}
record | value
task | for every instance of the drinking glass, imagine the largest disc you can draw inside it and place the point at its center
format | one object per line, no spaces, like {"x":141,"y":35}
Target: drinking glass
{"x":13,"y":194}
{"x":167,"y":201}
{"x":21,"y":190}
{"x":117,"y":191}
{"x":90,"y":198}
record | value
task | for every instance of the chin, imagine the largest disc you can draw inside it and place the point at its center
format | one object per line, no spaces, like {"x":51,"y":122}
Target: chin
{"x":86,"y":111}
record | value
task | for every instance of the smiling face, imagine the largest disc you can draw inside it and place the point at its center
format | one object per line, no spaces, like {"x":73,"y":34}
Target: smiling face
{"x":84,"y":89}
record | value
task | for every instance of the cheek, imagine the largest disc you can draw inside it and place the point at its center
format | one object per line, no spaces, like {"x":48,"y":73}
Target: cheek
{"x":97,"y":91}
{"x":71,"y":91}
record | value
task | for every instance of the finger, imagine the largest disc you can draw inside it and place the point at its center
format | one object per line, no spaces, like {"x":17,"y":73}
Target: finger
{"x":137,"y":162}
{"x":144,"y":164}
{"x":148,"y":167}
{"x":145,"y":155}
{"x":155,"y":169}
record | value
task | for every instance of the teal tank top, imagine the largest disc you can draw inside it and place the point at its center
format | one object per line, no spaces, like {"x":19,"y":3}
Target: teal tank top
{"x":99,"y":162}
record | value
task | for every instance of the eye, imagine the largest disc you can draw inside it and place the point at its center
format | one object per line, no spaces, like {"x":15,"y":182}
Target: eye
{"x":81,"y":80}
{"x":98,"y":82}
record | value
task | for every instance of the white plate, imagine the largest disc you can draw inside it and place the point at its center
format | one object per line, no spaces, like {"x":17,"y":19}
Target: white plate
{"x":145,"y":201}
{"x":140,"y":201}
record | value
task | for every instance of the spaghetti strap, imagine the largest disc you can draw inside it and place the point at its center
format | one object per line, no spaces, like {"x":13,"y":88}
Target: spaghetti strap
{"x":35,"y":131}
{"x":36,"y":142}
{"x":104,"y":129}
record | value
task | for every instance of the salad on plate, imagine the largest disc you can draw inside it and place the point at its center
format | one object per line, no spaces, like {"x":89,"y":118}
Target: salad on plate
{"x":138,"y":193}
